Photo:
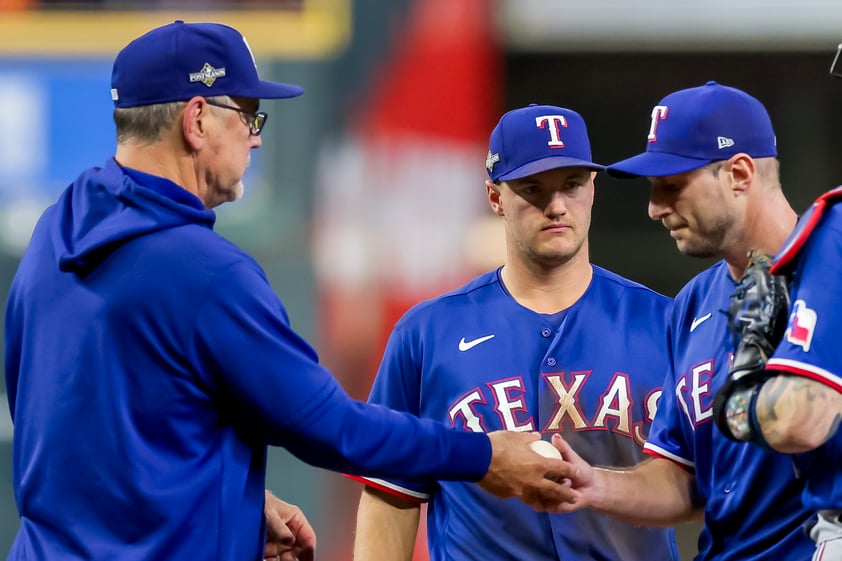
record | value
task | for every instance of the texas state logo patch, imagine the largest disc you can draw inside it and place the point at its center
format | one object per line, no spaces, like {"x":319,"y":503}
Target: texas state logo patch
{"x":802,"y":324}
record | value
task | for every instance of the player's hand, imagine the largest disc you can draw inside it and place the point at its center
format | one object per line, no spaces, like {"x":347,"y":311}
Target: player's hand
{"x":517,"y":471}
{"x":581,"y":481}
{"x":289,"y":536}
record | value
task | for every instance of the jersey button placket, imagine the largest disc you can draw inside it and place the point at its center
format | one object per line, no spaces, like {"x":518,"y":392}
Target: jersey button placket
{"x":547,"y":333}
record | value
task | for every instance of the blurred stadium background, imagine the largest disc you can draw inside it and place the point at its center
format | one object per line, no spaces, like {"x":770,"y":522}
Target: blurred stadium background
{"x":368,"y":195}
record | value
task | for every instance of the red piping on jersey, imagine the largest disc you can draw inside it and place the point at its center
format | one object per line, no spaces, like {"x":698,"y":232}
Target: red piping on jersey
{"x":654,"y":454}
{"x":794,"y":246}
{"x":777,"y":367}
{"x":390,"y":491}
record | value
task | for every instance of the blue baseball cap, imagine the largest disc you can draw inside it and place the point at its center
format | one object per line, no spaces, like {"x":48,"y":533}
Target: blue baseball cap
{"x":181,"y":60}
{"x":538,"y":138}
{"x":693,"y":127}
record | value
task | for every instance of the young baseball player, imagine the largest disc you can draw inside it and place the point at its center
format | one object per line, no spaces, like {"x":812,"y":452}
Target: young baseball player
{"x":150,"y":365}
{"x":548,"y":342}
{"x":711,"y":159}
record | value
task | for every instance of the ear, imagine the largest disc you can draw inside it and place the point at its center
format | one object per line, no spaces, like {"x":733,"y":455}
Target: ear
{"x":194,"y":122}
{"x":741,"y":170}
{"x":494,"y":200}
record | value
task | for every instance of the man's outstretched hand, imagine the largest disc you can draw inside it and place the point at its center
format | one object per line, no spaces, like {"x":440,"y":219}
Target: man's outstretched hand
{"x":516,"y":470}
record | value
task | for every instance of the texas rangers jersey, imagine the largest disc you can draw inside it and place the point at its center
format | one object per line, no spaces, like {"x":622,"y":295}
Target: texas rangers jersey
{"x":753,"y":510}
{"x":477,"y":359}
{"x":810,"y":346}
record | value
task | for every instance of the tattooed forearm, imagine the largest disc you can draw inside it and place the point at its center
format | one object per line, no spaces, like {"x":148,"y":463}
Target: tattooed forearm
{"x":796,"y":413}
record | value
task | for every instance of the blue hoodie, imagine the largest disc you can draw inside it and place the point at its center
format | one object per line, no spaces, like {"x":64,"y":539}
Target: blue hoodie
{"x":149,"y":364}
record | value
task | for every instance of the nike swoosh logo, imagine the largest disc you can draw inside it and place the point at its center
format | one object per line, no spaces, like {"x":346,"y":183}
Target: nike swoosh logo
{"x":467,"y":345}
{"x":699,"y":321}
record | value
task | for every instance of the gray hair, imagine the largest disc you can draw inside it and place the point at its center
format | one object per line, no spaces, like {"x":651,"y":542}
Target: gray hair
{"x":146,"y":123}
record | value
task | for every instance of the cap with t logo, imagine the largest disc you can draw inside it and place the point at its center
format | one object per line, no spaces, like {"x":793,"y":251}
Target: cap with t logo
{"x":538,"y":138}
{"x":693,"y":127}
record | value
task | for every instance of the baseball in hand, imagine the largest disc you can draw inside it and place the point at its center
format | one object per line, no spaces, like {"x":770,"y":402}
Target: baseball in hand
{"x":545,"y":449}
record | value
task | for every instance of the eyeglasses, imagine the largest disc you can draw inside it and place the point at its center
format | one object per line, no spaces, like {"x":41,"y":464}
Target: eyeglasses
{"x":255,"y":121}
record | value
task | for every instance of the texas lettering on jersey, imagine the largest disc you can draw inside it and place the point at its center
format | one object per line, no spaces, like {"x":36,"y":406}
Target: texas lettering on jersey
{"x":694,"y":391}
{"x":594,"y":375}
{"x":506,"y":399}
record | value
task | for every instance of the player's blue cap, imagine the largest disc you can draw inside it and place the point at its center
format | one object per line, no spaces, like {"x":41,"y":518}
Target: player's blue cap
{"x":180,"y":60}
{"x":538,"y":138}
{"x":694,"y":127}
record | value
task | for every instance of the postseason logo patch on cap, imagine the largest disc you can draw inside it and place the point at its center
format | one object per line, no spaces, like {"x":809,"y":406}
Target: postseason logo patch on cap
{"x":537,"y":138}
{"x":490,"y":160}
{"x":207,"y":75}
{"x":178,"y":61}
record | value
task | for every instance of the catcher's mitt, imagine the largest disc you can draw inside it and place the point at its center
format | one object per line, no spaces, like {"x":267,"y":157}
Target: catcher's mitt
{"x":757,"y":314}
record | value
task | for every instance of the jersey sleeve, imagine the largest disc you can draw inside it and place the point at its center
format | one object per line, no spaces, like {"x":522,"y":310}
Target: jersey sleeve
{"x":398,"y":386}
{"x":666,"y":435}
{"x":810,"y":346}
{"x":270,"y":384}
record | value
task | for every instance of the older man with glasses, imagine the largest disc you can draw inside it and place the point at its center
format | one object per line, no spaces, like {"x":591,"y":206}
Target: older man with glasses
{"x":254,"y":121}
{"x":149,"y":364}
